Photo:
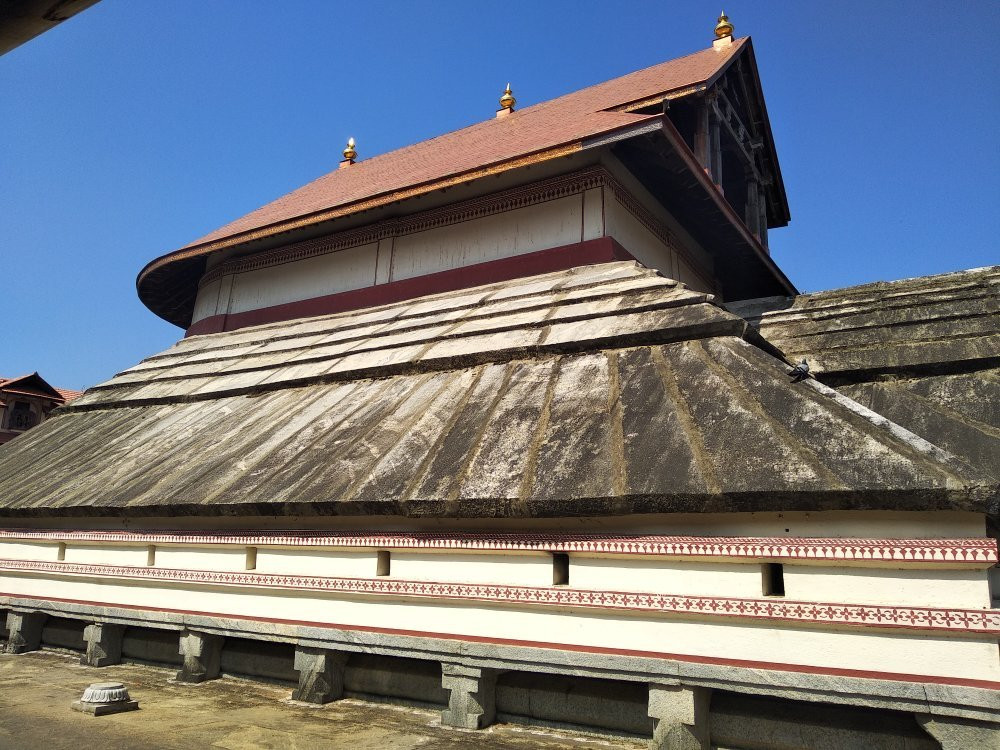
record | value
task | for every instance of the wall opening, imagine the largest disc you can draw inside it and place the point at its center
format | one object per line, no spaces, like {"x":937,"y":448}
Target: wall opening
{"x":151,"y":555}
{"x":394,"y":679}
{"x":251,"y":558}
{"x":560,"y":569}
{"x":272,"y":661}
{"x":382,"y":563}
{"x":151,"y":646}
{"x":63,"y":633}
{"x":613,"y":706}
{"x":61,"y":554}
{"x":773,"y":579}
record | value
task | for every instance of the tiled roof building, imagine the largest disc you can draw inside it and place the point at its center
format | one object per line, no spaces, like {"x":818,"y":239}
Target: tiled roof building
{"x":533,"y":447}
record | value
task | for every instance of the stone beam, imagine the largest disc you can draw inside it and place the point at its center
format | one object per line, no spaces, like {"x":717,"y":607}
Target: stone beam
{"x":321,"y":674}
{"x":472,"y":699}
{"x":104,"y":644}
{"x":681,"y":715}
{"x":201,"y":652}
{"x":24,"y":631}
{"x":960,"y":734}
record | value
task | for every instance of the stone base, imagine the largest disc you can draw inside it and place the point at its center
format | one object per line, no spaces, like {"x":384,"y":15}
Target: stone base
{"x":103,"y":709}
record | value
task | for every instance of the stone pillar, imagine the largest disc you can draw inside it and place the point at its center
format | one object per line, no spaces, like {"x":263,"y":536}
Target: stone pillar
{"x":681,"y":714}
{"x":321,"y":675}
{"x":104,"y":644}
{"x":472,"y":702}
{"x":960,"y":734}
{"x":201,"y":652}
{"x":24,"y":631}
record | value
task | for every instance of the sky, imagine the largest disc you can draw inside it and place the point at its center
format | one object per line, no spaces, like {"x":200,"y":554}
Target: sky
{"x":136,"y":127}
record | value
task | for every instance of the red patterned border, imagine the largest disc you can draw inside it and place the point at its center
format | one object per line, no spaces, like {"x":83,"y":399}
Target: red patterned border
{"x":814,"y":613}
{"x":982,"y":551}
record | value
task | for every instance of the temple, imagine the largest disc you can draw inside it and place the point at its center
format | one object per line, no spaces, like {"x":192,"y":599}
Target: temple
{"x":506,"y":422}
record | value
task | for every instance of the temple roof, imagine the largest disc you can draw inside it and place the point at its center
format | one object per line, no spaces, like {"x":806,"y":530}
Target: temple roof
{"x":591,"y":117}
{"x":929,"y":322}
{"x":924,"y":352}
{"x":603,"y":390}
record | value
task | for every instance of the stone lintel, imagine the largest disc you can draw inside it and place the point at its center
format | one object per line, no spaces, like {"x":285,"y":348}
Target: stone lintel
{"x":960,"y":734}
{"x":472,"y":698}
{"x":321,"y":674}
{"x":24,"y":631}
{"x":681,"y":714}
{"x":104,"y":644}
{"x":201,"y":652}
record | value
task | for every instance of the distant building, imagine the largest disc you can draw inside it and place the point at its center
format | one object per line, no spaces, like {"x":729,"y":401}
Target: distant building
{"x":26,"y":401}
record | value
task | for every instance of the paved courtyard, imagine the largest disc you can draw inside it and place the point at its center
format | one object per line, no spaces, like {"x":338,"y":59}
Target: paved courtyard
{"x":36,"y":691}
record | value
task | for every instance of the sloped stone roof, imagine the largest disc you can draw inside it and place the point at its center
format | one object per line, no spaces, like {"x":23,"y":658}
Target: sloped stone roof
{"x":924,"y":352}
{"x":912,"y":325}
{"x":601,"y":390}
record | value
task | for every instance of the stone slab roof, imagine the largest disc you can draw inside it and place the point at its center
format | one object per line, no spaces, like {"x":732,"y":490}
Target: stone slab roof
{"x":602,"y":390}
{"x":912,"y":325}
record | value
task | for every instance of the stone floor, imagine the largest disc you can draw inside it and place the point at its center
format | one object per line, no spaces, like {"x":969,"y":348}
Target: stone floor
{"x":36,"y":691}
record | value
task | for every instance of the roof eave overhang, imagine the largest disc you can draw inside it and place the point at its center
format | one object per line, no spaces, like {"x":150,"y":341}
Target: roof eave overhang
{"x":181,"y":262}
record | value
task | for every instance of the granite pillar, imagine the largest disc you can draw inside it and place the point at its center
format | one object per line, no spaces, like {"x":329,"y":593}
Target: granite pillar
{"x":104,"y":644}
{"x":681,"y":715}
{"x":201,"y":652}
{"x":471,"y":703}
{"x":321,"y":675}
{"x":24,"y":631}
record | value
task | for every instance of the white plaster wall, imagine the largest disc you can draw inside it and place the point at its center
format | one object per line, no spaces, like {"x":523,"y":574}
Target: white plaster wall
{"x":647,"y":248}
{"x":207,"y":301}
{"x":317,"y":562}
{"x":525,"y":230}
{"x":103,"y":554}
{"x":45,"y":551}
{"x":222,"y":558}
{"x":511,"y":569}
{"x":897,"y":652}
{"x":339,"y":271}
{"x":967,"y":589}
{"x":664,"y":576}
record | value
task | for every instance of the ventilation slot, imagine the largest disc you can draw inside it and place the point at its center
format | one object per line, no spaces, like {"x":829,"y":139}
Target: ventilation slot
{"x":382,"y":564}
{"x":560,"y":569}
{"x":773,"y":578}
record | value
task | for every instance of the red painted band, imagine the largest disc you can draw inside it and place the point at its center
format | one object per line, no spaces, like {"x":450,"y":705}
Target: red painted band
{"x":600,"y":250}
{"x":689,"y":658}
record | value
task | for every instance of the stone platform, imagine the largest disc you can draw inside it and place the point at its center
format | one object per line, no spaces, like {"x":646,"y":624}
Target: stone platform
{"x":36,"y":691}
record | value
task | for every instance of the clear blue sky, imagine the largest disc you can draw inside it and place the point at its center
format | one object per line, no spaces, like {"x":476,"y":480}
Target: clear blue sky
{"x":136,"y":127}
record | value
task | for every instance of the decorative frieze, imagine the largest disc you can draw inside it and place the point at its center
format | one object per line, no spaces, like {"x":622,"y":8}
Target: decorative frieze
{"x":808,"y":613}
{"x":475,"y":208}
{"x":980,"y":551}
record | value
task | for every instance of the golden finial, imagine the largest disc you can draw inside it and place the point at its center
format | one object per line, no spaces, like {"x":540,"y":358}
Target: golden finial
{"x":723,"y":28}
{"x":507,"y":101}
{"x":350,"y":153}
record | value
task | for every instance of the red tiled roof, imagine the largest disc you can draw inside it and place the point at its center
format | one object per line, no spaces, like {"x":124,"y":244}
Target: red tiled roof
{"x":567,"y":119}
{"x":66,"y":393}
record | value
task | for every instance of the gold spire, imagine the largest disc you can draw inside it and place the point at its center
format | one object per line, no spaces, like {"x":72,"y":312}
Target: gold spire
{"x":723,"y":28}
{"x":507,"y":101}
{"x":350,"y":153}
